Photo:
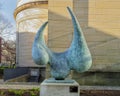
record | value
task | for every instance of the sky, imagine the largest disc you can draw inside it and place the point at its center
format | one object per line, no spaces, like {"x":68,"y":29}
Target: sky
{"x":8,"y":7}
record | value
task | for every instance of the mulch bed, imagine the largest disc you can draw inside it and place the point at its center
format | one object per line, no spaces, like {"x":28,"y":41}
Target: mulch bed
{"x":100,"y":93}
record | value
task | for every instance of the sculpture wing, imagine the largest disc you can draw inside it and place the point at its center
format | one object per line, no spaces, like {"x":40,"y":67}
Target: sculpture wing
{"x":78,"y":54}
{"x":77,"y":57}
{"x":39,"y":49}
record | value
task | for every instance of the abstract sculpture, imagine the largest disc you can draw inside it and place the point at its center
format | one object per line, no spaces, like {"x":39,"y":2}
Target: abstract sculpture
{"x":77,"y":57}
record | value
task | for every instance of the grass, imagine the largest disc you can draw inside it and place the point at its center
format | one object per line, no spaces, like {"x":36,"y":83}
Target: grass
{"x":19,"y":92}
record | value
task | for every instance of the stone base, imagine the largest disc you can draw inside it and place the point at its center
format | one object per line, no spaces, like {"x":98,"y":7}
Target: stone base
{"x":59,"y":89}
{"x":52,"y":80}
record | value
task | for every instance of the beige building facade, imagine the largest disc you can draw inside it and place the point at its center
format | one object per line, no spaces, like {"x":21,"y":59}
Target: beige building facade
{"x":100,"y":22}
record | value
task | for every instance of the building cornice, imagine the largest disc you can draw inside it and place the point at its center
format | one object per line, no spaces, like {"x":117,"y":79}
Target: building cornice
{"x":42,"y":4}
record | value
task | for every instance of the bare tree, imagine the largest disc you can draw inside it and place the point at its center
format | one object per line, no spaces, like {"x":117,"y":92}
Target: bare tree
{"x":7,"y":41}
{"x":8,"y":52}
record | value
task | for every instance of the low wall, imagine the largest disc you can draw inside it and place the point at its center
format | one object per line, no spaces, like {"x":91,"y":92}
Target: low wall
{"x":13,"y":73}
{"x":23,"y":78}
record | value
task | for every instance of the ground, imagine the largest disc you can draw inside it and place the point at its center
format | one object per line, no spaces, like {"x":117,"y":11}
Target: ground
{"x":32,"y":89}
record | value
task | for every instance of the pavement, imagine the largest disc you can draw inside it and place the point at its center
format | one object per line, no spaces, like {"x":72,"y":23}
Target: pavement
{"x":11,"y":86}
{"x":18,"y":85}
{"x":31,"y":85}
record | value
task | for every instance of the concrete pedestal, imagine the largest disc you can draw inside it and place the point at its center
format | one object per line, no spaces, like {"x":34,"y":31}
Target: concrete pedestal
{"x":59,"y":89}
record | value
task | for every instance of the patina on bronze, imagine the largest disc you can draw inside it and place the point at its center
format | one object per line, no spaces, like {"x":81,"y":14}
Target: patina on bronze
{"x":77,"y":57}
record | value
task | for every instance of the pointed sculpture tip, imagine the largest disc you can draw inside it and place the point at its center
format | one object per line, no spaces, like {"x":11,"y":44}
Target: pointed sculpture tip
{"x":68,"y":8}
{"x":46,"y":22}
{"x":70,"y":12}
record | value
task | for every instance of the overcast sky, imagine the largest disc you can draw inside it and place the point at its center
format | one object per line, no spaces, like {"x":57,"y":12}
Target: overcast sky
{"x":8,"y":7}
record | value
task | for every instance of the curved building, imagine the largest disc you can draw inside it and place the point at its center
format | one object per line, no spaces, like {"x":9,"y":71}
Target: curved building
{"x":100,"y":22}
{"x":29,"y":16}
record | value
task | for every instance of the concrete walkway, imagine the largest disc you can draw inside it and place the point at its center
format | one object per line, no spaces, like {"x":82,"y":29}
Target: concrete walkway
{"x":113,"y":88}
{"x":18,"y":85}
{"x":14,"y":86}
{"x":29,"y":85}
